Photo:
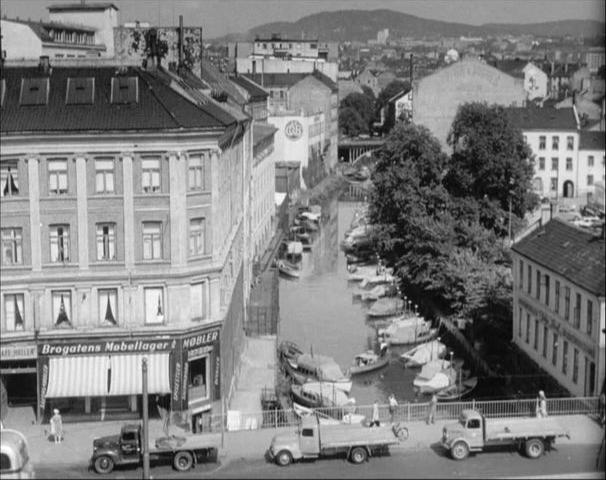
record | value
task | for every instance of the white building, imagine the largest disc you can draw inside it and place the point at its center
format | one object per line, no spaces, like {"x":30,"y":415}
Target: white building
{"x":536,"y":81}
{"x":558,"y":304}
{"x":591,"y":165}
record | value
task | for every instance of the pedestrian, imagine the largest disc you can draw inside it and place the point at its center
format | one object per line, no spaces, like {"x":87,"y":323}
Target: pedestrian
{"x":375,"y":414}
{"x":433,"y":404}
{"x":541,"y":408}
{"x":163,"y":410}
{"x":56,"y":426}
{"x":393,"y":404}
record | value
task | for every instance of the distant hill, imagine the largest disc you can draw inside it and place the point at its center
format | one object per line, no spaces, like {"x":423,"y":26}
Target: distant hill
{"x":363,"y":25}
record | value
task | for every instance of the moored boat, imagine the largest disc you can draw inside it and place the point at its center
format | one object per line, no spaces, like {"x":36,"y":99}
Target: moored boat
{"x":385,"y":307}
{"x":369,"y":361}
{"x":407,"y":331}
{"x":318,"y":395}
{"x":458,"y":390}
{"x":288,"y":270}
{"x":423,"y":353}
{"x":323,"y":368}
{"x":288,"y":350}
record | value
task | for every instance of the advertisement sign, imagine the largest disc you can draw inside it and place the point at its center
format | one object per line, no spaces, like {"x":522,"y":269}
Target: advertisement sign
{"x":23,"y":351}
{"x":106,"y":347}
{"x":293,"y":130}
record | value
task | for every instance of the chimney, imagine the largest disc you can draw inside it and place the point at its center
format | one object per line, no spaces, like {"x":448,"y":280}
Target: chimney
{"x":180,"y":63}
{"x":44,"y":65}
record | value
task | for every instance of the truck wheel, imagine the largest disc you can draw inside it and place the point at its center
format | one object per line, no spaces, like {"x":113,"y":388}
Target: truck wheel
{"x":104,"y":464}
{"x":358,"y":455}
{"x":459,"y":451}
{"x":283,"y":458}
{"x":534,"y":448}
{"x":183,"y":461}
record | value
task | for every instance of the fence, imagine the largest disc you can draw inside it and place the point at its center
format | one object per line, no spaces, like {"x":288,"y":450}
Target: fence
{"x":411,"y":412}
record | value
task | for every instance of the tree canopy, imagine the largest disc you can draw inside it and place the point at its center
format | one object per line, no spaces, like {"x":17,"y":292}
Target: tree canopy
{"x":351,"y":122}
{"x":390,"y":90}
{"x":362,"y":105}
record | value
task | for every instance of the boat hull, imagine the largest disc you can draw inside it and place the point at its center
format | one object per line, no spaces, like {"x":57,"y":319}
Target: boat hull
{"x":356,"y":369}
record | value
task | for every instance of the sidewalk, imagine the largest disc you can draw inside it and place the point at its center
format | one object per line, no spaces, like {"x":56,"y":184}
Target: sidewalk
{"x":247,"y":444}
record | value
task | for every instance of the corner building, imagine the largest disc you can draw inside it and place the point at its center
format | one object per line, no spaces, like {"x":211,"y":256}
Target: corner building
{"x":122,"y":237}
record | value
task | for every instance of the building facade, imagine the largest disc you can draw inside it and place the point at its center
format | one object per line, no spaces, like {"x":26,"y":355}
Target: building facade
{"x":558,"y":304}
{"x":123,"y":207}
{"x":592,"y":165}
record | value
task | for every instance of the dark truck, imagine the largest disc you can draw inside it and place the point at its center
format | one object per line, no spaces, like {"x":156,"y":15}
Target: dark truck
{"x":125,"y":449}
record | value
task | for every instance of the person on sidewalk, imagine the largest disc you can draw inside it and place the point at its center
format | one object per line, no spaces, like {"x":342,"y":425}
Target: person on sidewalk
{"x":56,"y":426}
{"x":433,"y":404}
{"x":393,"y":405}
{"x":375,"y":415}
{"x":164,"y":412}
{"x":541,"y":408}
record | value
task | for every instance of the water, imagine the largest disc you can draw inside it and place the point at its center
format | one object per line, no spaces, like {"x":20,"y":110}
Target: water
{"x":318,"y":312}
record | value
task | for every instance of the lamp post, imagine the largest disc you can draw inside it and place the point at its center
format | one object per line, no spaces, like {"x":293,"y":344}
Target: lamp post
{"x":145,"y":446}
{"x":409,"y":305}
{"x":451,"y":354}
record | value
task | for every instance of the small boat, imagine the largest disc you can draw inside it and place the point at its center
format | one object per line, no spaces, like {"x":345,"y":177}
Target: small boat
{"x":323,"y":368}
{"x":288,"y":350}
{"x":375,"y":293}
{"x":360,"y":258}
{"x":311,"y":216}
{"x":288,"y":270}
{"x":369,"y":361}
{"x":439,"y":381}
{"x":460,"y":389}
{"x":407,"y":330}
{"x":362,"y":174}
{"x":302,"y":411}
{"x":300,"y":234}
{"x":357,"y":273}
{"x":386,"y":306}
{"x":378,"y":279}
{"x":423,"y":353}
{"x":294,"y":250}
{"x":320,"y":395}
{"x":309,"y":225}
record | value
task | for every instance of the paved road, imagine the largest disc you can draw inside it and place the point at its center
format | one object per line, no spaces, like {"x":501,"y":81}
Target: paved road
{"x":400,"y":463}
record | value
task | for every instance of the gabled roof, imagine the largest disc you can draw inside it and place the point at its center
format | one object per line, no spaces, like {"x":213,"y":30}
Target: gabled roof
{"x":533,"y":118}
{"x":592,"y":140}
{"x":515,"y":67}
{"x":159,"y":107}
{"x":256,"y":92}
{"x":568,"y":251}
{"x":398,"y":95}
{"x":287,"y":80}
{"x":80,"y":6}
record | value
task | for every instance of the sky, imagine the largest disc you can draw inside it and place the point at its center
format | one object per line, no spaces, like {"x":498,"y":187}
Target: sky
{"x":220,"y":17}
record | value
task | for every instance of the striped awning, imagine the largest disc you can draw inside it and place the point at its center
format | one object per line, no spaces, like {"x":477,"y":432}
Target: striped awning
{"x":127,"y":376}
{"x":77,"y":376}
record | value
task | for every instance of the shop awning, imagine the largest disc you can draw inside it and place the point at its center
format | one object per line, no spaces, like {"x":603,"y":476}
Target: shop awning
{"x":77,"y":376}
{"x":127,"y":377}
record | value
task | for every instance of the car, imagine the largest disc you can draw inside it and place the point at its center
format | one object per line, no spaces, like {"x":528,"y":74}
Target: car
{"x":567,"y":208}
{"x":14,"y":456}
{"x":587,"y":222}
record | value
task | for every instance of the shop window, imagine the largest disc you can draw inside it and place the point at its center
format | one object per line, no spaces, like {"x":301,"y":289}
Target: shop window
{"x":12,"y":246}
{"x":9,"y":179}
{"x":62,"y":308}
{"x":152,"y":240}
{"x":108,"y":306}
{"x":198,"y":305}
{"x":59,"y":243}
{"x":150,"y":178}
{"x":104,"y":176}
{"x":106,"y":241}
{"x":154,"y":305}
{"x":198,"y":378}
{"x":197,"y":232}
{"x":57,"y":177}
{"x":13,"y":312}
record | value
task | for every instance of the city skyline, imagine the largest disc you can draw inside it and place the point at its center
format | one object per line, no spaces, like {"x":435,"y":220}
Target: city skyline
{"x":218,"y":18}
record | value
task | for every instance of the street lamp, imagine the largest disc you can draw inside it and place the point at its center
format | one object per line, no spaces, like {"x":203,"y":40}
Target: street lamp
{"x":409,"y":305}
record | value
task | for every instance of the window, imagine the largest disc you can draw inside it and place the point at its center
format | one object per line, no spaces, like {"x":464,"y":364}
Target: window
{"x":521,"y":274}
{"x":538,"y":289}
{"x":9,"y":179}
{"x":554,"y":164}
{"x":589,"y":317}
{"x":13,"y":312}
{"x":197,"y":245}
{"x":529,"y":286}
{"x":565,"y":358}
{"x":59,"y":243}
{"x":568,"y":163}
{"x":589,"y":180}
{"x":520,"y":323}
{"x":12,"y":246}
{"x":557,"y":296}
{"x":554,"y":184}
{"x":198,"y":305}
{"x":307,"y":432}
{"x":541,"y":163}
{"x":108,"y":311}
{"x":575,"y":365}
{"x":555,"y":143}
{"x":34,"y":91}
{"x":527,"y":327}
{"x":152,"y":240}
{"x":566,"y":303}
{"x":590,"y":161}
{"x":62,"y":308}
{"x":198,"y":174}
{"x":57,"y":177}
{"x":154,"y":305}
{"x":150,"y":175}
{"x":547,"y":281}
{"x":544,"y":342}
{"x":106,"y":241}
{"x":473,"y":423}
{"x":104,"y":176}
{"x":542,"y":142}
{"x":536,"y":334}
{"x":554,"y":350}
{"x":80,"y":91}
{"x":570,"y":142}
{"x":577,"y":311}
{"x":125,"y":90}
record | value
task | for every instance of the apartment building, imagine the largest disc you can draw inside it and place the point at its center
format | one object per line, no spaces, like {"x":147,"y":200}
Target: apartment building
{"x":559,"y":291}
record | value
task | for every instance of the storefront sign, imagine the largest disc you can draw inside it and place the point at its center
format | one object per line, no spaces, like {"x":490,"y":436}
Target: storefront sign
{"x":201,"y":339}
{"x":107,"y":347}
{"x":293,"y":130}
{"x":177,"y":384}
{"x":18,"y":352}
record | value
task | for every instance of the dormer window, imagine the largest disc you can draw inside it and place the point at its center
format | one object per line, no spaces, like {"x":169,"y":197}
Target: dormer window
{"x":80,"y":91}
{"x":125,"y":90}
{"x":34,"y":91}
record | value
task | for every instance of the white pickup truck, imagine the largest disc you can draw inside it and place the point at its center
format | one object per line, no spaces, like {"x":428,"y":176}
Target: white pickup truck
{"x":473,"y":432}
{"x":314,"y":439}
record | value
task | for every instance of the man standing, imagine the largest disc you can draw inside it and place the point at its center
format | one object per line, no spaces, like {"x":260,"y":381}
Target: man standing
{"x":56,"y":425}
{"x":375,"y":415}
{"x":541,"y":408}
{"x":393,"y":403}
{"x":432,"y":409}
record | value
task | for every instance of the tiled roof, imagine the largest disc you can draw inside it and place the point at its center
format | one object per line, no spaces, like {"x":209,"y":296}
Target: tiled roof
{"x":515,"y":67}
{"x":80,"y":6}
{"x":533,"y":118}
{"x":255,"y":90}
{"x":592,"y":140}
{"x":568,"y":251}
{"x":287,"y":80}
{"x":261,"y":131}
{"x":159,"y":106}
{"x":220,"y":82}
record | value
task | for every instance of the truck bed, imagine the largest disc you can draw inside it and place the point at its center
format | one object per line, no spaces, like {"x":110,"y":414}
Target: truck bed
{"x":334,"y":436}
{"x":504,"y":428}
{"x":182,"y":442}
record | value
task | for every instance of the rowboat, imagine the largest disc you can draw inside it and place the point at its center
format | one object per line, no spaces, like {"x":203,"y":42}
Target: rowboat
{"x":423,"y":353}
{"x":318,"y":395}
{"x":287,"y":269}
{"x":458,"y":390}
{"x":369,"y":361}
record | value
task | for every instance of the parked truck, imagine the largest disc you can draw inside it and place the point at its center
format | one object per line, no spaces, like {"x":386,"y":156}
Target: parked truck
{"x":314,"y":439}
{"x":474,"y":432}
{"x":125,"y":449}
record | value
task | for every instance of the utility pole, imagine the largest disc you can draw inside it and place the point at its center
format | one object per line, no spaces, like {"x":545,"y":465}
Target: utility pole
{"x":145,"y":446}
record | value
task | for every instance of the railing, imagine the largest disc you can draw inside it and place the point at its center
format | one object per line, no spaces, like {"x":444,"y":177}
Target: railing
{"x":411,"y":412}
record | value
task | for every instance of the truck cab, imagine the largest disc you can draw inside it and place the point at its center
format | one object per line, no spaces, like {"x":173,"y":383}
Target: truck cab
{"x":469,"y":429}
{"x":123,"y":449}
{"x":304,"y":443}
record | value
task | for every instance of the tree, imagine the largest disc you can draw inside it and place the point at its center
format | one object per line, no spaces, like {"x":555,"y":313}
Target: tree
{"x":362,"y":105}
{"x":392,"y":88}
{"x":490,"y":159}
{"x":351,"y":122}
{"x":366,"y":90}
